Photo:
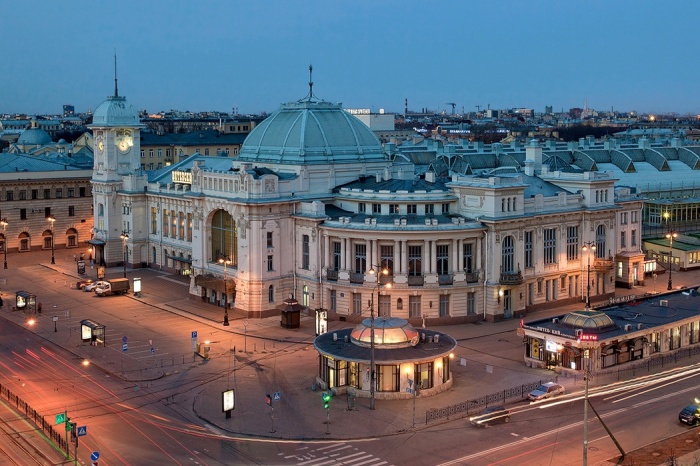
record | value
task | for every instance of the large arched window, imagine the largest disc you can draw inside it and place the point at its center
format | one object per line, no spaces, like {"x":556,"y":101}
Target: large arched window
{"x":508,"y":255}
{"x":600,"y":242}
{"x":224,"y":238}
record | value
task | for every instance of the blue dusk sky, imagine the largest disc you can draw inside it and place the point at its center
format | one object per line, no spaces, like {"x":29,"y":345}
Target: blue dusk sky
{"x":206,"y":55}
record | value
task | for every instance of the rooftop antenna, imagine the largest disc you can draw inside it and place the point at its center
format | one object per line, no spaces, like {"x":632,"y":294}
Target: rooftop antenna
{"x":311,"y":82}
{"x":116,"y":92}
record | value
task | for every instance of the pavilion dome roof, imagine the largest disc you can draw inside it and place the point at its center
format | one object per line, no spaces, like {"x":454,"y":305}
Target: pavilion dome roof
{"x":389,"y":332}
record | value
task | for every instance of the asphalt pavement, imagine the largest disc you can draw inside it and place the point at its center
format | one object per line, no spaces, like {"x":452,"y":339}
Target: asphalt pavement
{"x":282,"y":363}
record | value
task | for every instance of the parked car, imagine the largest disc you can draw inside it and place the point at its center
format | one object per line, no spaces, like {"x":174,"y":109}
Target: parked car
{"x":690,"y":415}
{"x":92,"y":286}
{"x":491,"y":415}
{"x":81,"y":284}
{"x":546,"y":390}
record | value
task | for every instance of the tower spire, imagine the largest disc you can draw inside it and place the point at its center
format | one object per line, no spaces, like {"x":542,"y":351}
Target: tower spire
{"x":116,"y":91}
{"x":311,"y":82}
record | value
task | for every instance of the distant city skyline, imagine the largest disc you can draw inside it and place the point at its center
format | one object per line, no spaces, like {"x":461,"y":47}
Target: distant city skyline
{"x":218,"y":55}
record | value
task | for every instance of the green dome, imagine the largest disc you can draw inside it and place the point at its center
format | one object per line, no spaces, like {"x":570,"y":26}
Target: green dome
{"x":115,"y":111}
{"x":311,"y":132}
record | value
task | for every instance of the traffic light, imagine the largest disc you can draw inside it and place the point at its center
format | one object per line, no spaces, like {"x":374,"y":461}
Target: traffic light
{"x":326,"y":399}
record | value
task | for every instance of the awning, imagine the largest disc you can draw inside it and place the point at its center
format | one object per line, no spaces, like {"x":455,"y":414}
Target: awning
{"x":96,"y":242}
{"x":212,"y":282}
{"x":179,"y":259}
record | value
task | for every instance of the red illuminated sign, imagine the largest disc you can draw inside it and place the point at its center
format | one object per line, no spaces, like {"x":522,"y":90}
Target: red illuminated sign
{"x":584,"y":337}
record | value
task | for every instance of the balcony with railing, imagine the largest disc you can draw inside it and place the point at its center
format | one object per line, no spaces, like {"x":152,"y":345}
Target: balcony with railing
{"x":445,"y":279}
{"x":603,"y":264}
{"x":358,"y":278}
{"x":331,"y":275}
{"x":511,"y":278}
{"x":472,"y":277}
{"x":416,"y":280}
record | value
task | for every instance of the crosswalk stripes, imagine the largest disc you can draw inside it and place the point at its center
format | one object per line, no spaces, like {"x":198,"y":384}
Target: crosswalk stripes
{"x":335,"y":454}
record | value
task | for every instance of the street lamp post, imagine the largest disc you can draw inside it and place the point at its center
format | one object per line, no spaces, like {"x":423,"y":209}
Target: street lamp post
{"x":371,"y":334}
{"x":225,"y":261}
{"x":52,"y":219}
{"x":670,"y":235}
{"x":590,"y":247}
{"x":586,"y":375}
{"x":3,"y":222}
{"x":125,"y":237}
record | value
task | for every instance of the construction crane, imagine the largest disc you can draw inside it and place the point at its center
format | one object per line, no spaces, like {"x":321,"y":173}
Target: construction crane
{"x":453,"y":106}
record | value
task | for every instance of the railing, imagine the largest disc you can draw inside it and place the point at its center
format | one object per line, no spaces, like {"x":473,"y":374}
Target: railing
{"x":604,"y":264}
{"x":357,"y":277}
{"x":472,"y":277}
{"x":416,"y":280}
{"x":445,"y":279}
{"x":465,"y":408}
{"x":511,"y":278}
{"x":332,"y":275}
{"x":37,"y":419}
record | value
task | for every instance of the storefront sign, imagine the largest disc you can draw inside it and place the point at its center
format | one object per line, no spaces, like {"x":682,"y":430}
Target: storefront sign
{"x":550,"y":346}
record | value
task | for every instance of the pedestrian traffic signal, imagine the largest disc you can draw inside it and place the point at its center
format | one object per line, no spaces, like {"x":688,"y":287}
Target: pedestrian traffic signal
{"x":326,"y":400}
{"x":268,"y":399}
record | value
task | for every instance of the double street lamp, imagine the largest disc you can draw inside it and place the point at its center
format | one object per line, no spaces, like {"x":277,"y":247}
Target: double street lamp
{"x":125,"y":237}
{"x":52,"y":219}
{"x":670,"y":235}
{"x":382,"y":271}
{"x":590,"y":247}
{"x":226,"y":261}
{"x":3,"y":222}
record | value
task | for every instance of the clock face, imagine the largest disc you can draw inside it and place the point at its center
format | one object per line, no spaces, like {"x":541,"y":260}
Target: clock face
{"x":124,"y":145}
{"x":100,"y":145}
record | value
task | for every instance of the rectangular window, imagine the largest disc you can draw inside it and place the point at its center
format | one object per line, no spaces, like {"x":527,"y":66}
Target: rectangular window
{"x":376,"y":208}
{"x":269,"y":239}
{"x":446,"y":208}
{"x":550,"y":245}
{"x":10,"y":196}
{"x":471,"y":304}
{"x":361,"y":207}
{"x":71,"y":211}
{"x":173,"y":224}
{"x":415,"y":261}
{"x":167,"y":152}
{"x":189,"y":227}
{"x":360,"y":258}
{"x":357,"y":303}
{"x":444,"y":305}
{"x":305,"y":252}
{"x":412,"y":209}
{"x":166,"y":222}
{"x":160,"y":152}
{"x":35,"y":194}
{"x":414,"y":306}
{"x":71,"y":192}
{"x":468,"y":257}
{"x":143,"y":153}
{"x":623,"y":239}
{"x":572,"y":247}
{"x":23,"y":214}
{"x":22,"y":195}
{"x":634,"y":216}
{"x":82,"y":192}
{"x":206,"y":151}
{"x":47,"y":212}
{"x":269,"y":263}
{"x":633,"y":238}
{"x":429,"y":209}
{"x":442,"y":258}
{"x":181,"y":226}
{"x":47,"y":194}
{"x":154,"y":221}
{"x":336,"y":255}
{"x":393,"y":208}
{"x":150,"y":153}
{"x":386,"y":258}
{"x":529,"y":257}
{"x":334,"y":301}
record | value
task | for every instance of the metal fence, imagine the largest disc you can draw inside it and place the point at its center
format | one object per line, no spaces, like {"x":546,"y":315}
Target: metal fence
{"x":646,"y":366}
{"x":465,"y":408}
{"x":36,"y":418}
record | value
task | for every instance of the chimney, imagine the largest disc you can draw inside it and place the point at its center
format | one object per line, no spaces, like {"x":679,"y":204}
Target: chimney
{"x":533,"y":152}
{"x":430,"y":177}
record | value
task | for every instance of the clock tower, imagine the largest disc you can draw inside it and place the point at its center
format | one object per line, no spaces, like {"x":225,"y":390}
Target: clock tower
{"x":117,"y":181}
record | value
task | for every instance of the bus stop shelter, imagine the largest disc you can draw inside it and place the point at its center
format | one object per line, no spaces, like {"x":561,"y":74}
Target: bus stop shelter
{"x":91,"y":331}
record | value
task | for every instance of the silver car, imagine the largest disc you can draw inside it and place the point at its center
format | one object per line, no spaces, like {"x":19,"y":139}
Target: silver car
{"x":546,"y":390}
{"x":92,"y":286}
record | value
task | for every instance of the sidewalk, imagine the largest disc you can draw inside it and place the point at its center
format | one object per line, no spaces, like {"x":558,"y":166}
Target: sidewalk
{"x":489,"y":358}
